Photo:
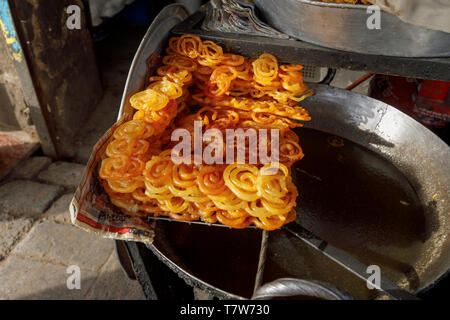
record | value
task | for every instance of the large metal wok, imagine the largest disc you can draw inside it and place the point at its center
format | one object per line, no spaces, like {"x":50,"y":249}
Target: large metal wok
{"x":345,"y":27}
{"x":409,"y":240}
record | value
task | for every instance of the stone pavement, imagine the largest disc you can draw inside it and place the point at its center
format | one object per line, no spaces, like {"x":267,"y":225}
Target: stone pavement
{"x":38,"y":243}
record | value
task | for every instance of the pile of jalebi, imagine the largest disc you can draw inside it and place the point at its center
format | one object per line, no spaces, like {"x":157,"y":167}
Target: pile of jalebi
{"x":198,"y":82}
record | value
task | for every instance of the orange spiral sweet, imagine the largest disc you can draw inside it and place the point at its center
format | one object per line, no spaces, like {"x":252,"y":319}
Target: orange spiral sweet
{"x":265,"y":69}
{"x":189,"y":45}
{"x":149,"y":100}
{"x":158,"y":170}
{"x":210,"y":180}
{"x":210,"y":54}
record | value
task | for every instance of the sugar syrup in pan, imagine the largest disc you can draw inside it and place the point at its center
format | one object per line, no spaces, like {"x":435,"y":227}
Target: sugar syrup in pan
{"x":225,"y":258}
{"x":357,"y":201}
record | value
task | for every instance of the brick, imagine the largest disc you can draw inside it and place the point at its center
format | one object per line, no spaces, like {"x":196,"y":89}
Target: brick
{"x":66,"y":174}
{"x":29,"y":168}
{"x":65,"y":244}
{"x":11,"y":230}
{"x":114,"y":284}
{"x":27,"y":198}
{"x":15,"y":146}
{"x":28,"y":279}
{"x":59,"y":211}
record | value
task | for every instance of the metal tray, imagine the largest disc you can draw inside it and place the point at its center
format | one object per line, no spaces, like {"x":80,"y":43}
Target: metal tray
{"x":344,"y":27}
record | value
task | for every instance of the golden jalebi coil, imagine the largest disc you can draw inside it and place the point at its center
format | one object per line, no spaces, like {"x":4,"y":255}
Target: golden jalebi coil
{"x":199,"y":82}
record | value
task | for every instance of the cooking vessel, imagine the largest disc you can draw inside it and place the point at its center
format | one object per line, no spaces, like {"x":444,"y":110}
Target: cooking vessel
{"x":408,"y":241}
{"x":344,"y":27}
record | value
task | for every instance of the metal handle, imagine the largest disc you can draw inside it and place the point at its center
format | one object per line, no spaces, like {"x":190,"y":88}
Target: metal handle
{"x":289,"y":287}
{"x":331,"y":73}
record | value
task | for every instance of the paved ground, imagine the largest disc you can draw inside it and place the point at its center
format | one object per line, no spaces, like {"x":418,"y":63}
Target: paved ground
{"x":38,"y":243}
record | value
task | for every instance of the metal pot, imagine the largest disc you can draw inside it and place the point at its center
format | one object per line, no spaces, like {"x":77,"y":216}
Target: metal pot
{"x":227,"y":262}
{"x":344,"y":27}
